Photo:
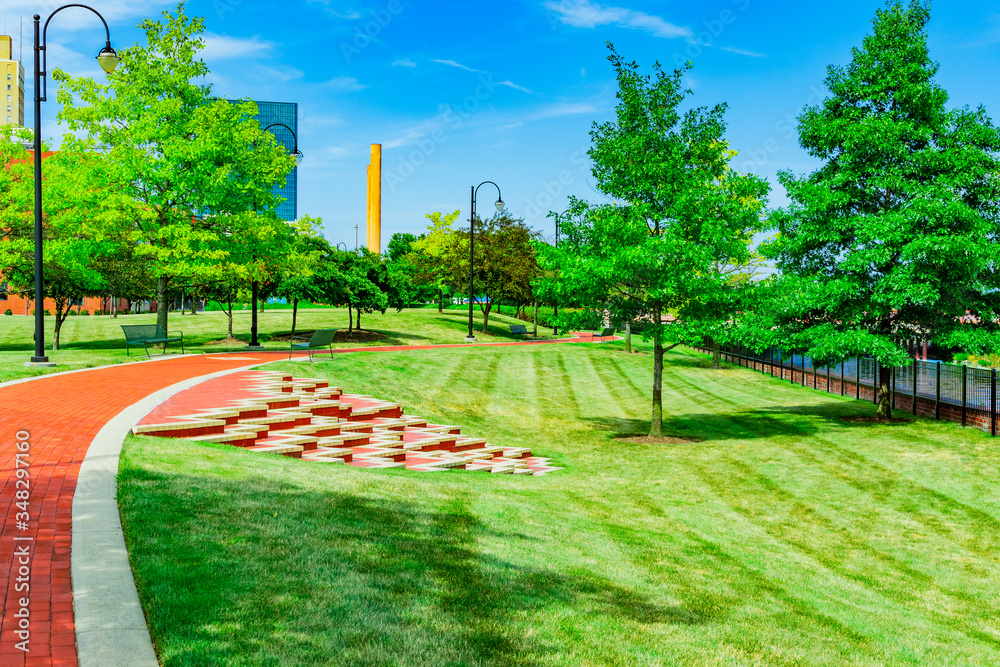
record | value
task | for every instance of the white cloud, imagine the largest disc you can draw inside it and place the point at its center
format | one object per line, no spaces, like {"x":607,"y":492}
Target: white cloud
{"x":350,"y":14}
{"x":584,"y":14}
{"x":563,"y":109}
{"x":511,"y":84}
{"x":222,"y":47}
{"x":282,"y":73}
{"x":742,"y":52}
{"x":452,"y":63}
{"x":405,"y":62}
{"x":348,"y":83}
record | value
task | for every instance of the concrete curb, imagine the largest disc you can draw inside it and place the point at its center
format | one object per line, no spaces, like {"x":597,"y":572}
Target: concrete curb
{"x":110,"y":625}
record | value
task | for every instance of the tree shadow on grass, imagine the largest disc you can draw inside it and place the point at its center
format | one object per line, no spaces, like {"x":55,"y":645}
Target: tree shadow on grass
{"x":782,"y":421}
{"x":306,"y":575}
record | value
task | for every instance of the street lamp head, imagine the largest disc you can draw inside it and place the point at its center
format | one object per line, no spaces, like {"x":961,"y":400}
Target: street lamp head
{"x":500,"y":206}
{"x":108,"y":59}
{"x":297,"y":154}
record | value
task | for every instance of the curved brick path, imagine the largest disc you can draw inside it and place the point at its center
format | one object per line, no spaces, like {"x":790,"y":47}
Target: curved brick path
{"x":62,"y":413}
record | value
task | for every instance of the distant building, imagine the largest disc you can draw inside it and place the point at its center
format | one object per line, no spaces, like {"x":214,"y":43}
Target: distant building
{"x":11,"y":76}
{"x":286,"y":113}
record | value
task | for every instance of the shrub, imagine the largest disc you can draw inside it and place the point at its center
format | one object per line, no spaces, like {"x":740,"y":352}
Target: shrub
{"x":8,"y":312}
{"x":46,"y":312}
{"x":960,"y":357}
{"x":72,"y":312}
{"x":85,"y":312}
{"x":984,"y":362}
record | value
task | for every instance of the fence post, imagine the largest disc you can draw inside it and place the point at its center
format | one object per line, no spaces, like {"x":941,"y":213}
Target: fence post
{"x":965,"y":376}
{"x":857,"y":385}
{"x":937,"y":392}
{"x":892,"y":392}
{"x":828,"y":379}
{"x":842,"y":378}
{"x":791,"y":374}
{"x":916,"y":369}
{"x":993,"y":401}
{"x":875,"y":381}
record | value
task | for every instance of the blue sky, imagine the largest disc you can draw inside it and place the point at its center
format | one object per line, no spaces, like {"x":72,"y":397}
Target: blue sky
{"x":461,"y":92}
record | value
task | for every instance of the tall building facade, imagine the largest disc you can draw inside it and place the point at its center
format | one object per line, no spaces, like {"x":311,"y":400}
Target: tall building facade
{"x":11,"y":76}
{"x":286,"y":113}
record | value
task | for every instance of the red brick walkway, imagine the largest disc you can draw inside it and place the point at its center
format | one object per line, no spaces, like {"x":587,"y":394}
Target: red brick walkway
{"x":61,"y":414}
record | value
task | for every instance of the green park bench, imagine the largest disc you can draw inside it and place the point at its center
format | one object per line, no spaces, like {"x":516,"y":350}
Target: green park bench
{"x":319,"y":339}
{"x":605,"y":332}
{"x":149,"y":334}
{"x":519,"y":330}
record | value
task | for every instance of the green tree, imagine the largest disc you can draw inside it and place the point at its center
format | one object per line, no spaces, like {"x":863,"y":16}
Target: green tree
{"x":896,"y":236}
{"x":678,"y":210}
{"x":505,"y":263}
{"x":181,"y":157}
{"x":74,"y":243}
{"x":429,"y":251}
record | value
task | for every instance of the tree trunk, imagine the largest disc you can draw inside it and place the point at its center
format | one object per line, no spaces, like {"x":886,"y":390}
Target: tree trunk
{"x":358,"y":320}
{"x":161,"y":302}
{"x":182,"y":308}
{"x":628,"y":337}
{"x":884,"y":409}
{"x":194,"y":305}
{"x":229,"y":304}
{"x":656,"y":428}
{"x":350,"y":318}
{"x":440,"y":300}
{"x":295,"y":313}
{"x":535,"y":333}
{"x":486,"y":315}
{"x":716,"y":354}
{"x":60,"y":318}
{"x":114,"y":307}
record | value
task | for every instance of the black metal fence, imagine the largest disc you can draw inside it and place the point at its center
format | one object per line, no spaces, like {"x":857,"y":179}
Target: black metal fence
{"x":953,"y":392}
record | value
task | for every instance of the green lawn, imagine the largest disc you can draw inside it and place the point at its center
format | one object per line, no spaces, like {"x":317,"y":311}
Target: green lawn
{"x":88,"y":341}
{"x":785,"y":537}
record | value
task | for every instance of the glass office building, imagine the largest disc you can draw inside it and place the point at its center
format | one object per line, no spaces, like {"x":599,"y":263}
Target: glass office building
{"x":286,"y":113}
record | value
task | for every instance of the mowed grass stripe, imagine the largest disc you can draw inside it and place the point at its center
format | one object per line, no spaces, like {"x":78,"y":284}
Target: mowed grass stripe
{"x":769,"y":542}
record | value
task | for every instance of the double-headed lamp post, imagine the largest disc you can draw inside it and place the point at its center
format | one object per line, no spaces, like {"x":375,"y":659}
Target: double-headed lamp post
{"x":108,"y":60}
{"x":472,"y":243}
{"x":297,"y":154}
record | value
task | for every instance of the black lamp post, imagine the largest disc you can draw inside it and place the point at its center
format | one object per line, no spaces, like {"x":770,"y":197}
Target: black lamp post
{"x":297,"y":154}
{"x":555,"y":305}
{"x":108,"y":61}
{"x":472,"y":243}
{"x":342,"y":244}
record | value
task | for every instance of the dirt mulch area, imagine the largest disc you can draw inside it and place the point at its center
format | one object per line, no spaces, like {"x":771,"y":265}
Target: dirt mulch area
{"x":228,"y":342}
{"x":875,"y":420}
{"x":664,"y":440}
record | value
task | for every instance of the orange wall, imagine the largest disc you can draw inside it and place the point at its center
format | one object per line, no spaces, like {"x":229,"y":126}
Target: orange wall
{"x":17,"y":305}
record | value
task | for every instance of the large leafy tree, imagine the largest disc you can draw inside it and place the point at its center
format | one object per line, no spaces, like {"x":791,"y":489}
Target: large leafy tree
{"x":897,"y":235}
{"x":75,"y":247}
{"x":678,"y":211}
{"x":505,"y":262}
{"x":184,"y":159}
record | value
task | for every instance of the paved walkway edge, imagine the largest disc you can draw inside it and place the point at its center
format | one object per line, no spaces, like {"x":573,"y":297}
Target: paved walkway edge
{"x":110,"y":625}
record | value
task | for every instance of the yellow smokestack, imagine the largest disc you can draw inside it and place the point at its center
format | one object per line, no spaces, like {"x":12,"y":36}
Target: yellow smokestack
{"x":374,"y":230}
